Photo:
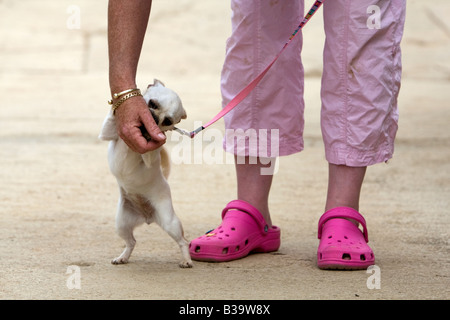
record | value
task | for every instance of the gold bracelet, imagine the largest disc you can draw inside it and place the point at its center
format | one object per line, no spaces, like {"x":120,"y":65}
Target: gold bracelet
{"x":117,"y":95}
{"x":132,"y":94}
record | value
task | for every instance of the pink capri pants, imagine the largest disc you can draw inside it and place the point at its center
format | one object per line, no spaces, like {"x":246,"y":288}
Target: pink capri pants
{"x":360,"y":80}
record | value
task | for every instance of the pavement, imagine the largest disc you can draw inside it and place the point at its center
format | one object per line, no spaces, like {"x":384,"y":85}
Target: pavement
{"x":58,"y":197}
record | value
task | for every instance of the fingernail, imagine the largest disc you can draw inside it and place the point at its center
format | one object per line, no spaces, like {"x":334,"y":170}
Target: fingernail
{"x":162,"y":136}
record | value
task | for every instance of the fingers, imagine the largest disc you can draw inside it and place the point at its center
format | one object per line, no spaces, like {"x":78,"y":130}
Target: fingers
{"x":131,"y":116}
{"x":132,"y":136}
{"x":151,"y":127}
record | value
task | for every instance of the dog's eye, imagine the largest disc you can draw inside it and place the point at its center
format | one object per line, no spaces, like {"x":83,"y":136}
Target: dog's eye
{"x":167,"y":122}
{"x":153,"y":105}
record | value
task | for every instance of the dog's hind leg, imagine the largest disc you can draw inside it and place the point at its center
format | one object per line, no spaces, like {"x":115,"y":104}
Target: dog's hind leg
{"x":126,"y":220}
{"x":170,"y":223}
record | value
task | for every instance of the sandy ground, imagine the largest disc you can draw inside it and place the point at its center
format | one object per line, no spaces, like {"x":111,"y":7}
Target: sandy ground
{"x":58,"y":197}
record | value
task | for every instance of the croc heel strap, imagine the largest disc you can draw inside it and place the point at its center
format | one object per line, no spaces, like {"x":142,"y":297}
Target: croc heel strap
{"x":343,"y":213}
{"x":243,"y":206}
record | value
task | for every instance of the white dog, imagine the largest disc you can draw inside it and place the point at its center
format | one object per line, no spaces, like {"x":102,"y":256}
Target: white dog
{"x":144,"y":191}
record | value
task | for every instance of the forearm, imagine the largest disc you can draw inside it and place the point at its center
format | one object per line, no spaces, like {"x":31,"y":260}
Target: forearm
{"x":127,"y":23}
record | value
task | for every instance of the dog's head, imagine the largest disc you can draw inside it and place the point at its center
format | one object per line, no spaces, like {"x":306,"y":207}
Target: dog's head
{"x":165,"y":105}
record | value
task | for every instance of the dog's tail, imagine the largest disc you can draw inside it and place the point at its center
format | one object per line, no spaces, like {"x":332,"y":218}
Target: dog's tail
{"x":165,"y":162}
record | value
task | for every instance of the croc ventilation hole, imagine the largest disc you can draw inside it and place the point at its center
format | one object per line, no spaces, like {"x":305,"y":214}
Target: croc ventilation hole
{"x":346,"y":256}
{"x":225,"y":250}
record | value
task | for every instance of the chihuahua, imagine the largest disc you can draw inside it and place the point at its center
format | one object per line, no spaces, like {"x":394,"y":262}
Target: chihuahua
{"x":144,"y":193}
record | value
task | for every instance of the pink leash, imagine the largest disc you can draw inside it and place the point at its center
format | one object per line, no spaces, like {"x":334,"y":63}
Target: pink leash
{"x":249,"y":88}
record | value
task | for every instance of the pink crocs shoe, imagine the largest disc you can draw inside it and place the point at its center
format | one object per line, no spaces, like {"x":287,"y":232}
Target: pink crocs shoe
{"x":342,"y":244}
{"x":243,"y":230}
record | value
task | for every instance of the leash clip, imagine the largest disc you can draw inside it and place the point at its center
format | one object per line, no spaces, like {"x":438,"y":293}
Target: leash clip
{"x":191,"y":134}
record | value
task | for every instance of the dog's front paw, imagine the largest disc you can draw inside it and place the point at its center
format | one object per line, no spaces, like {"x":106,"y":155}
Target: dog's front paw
{"x":119,"y":260}
{"x":186,"y":264}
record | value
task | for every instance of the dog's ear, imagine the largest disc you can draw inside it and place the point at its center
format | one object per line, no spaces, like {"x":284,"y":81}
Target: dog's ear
{"x":109,"y":130}
{"x":156,"y":83}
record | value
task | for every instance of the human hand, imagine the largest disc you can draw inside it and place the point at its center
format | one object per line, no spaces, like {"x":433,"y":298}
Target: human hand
{"x":131,"y":117}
